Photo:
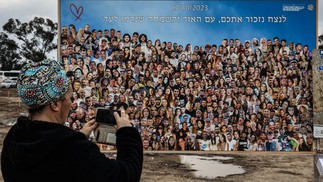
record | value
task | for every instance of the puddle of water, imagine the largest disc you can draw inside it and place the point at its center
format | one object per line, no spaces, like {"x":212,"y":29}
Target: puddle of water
{"x":9,"y":122}
{"x":210,"y":167}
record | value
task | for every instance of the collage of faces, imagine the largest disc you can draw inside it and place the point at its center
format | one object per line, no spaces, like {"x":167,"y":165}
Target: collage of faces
{"x":236,"y":95}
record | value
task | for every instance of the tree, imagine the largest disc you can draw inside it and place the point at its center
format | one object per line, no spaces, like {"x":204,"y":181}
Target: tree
{"x":8,"y":53}
{"x":36,"y":37}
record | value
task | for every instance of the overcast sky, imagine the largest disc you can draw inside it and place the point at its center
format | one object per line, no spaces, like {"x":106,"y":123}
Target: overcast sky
{"x":26,"y":10}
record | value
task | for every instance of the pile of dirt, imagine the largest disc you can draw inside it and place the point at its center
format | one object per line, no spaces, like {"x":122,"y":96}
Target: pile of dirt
{"x":10,"y":105}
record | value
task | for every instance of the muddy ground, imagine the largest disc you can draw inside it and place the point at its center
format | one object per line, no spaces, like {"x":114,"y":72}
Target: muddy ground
{"x":161,"y":166}
{"x":258,"y":167}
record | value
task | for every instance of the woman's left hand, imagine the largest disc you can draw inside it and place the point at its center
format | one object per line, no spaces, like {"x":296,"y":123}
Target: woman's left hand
{"x":89,"y":127}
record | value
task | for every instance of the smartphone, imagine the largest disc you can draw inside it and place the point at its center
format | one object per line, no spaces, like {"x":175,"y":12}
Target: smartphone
{"x":105,"y":116}
{"x":70,"y":73}
{"x":106,"y":131}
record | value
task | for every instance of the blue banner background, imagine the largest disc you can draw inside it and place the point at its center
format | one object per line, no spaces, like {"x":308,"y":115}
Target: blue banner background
{"x":300,"y":26}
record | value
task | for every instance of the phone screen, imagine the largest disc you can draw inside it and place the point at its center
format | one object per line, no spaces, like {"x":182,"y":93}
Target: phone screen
{"x":106,"y":131}
{"x":105,"y":116}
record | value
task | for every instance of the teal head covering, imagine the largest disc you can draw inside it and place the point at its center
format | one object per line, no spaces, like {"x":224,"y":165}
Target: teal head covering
{"x":42,"y":83}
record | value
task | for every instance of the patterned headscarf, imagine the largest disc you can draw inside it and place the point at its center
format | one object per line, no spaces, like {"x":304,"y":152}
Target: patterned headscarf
{"x":42,"y":83}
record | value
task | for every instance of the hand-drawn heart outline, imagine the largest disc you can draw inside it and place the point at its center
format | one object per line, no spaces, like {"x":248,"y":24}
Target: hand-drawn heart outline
{"x":78,"y":13}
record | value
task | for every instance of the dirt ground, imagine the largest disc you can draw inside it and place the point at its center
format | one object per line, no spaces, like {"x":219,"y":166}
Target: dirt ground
{"x":162,"y":166}
{"x":10,"y":105}
{"x":258,"y":167}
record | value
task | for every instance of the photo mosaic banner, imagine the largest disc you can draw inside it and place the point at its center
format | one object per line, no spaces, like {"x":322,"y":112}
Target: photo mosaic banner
{"x":195,"y":75}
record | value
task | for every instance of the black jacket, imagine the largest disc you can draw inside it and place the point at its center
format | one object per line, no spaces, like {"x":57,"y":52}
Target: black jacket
{"x":43,"y":151}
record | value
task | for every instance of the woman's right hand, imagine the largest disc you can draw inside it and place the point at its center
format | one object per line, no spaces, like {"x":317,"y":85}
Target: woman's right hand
{"x":123,"y":120}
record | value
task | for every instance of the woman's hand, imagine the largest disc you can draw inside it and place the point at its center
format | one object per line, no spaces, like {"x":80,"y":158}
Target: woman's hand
{"x":123,"y":120}
{"x":89,"y":127}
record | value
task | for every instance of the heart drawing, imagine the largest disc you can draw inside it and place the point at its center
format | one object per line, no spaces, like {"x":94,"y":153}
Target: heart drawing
{"x":76,"y":11}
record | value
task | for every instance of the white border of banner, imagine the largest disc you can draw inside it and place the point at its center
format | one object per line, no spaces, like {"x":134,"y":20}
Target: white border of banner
{"x":318,"y":131}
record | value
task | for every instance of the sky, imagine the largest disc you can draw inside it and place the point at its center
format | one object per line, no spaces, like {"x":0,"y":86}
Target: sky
{"x":202,"y":32}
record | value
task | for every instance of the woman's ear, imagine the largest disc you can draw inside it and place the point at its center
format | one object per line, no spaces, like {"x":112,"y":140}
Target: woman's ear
{"x":56,"y":106}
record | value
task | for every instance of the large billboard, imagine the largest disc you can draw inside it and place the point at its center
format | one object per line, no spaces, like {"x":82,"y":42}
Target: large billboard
{"x":196,"y":75}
